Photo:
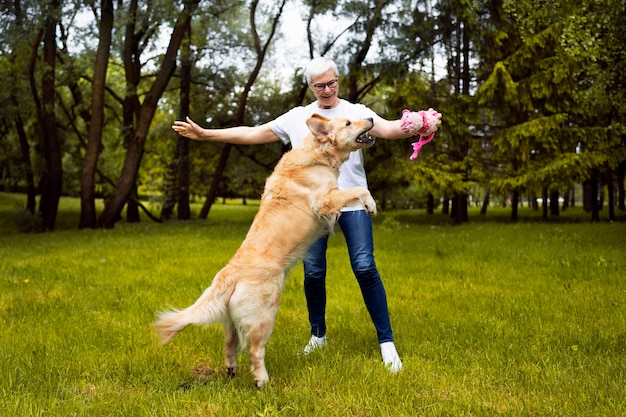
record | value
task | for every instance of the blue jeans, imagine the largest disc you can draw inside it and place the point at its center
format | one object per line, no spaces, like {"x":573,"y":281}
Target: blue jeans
{"x":357,"y":230}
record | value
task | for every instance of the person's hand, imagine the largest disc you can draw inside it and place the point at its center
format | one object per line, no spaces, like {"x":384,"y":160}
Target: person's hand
{"x":431,"y":122}
{"x":188,"y":129}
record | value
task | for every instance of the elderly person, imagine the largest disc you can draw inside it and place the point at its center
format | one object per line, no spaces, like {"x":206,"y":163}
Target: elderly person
{"x":323,"y":79}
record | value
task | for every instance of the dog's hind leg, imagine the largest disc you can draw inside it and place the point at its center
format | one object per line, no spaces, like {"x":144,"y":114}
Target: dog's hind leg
{"x":258,"y":337}
{"x":253,"y":308}
{"x":230,"y":350}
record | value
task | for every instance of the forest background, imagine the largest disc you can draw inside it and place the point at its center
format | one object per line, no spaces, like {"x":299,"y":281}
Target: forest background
{"x":532,"y":92}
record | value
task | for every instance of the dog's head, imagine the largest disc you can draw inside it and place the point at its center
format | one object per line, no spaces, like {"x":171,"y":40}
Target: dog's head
{"x":340,"y":135}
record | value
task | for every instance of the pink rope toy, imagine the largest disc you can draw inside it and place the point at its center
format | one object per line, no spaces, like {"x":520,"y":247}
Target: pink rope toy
{"x":422,"y":124}
{"x":417,"y":146}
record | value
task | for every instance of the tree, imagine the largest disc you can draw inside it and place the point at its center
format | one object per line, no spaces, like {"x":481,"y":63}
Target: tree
{"x":461,"y":33}
{"x":19,"y":51}
{"x":260,"y":50}
{"x":184,"y":211}
{"x":135,"y":144}
{"x":530,"y":92}
{"x":594,"y":35}
{"x":94,"y":141}
{"x":532,"y":98}
{"x":52,"y":180}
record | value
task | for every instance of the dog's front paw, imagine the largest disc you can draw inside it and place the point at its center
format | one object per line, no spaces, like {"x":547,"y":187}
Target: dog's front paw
{"x":369,"y":204}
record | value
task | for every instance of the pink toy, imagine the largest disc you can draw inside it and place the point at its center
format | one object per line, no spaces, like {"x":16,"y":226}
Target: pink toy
{"x":417,"y":146}
{"x":421,"y":123}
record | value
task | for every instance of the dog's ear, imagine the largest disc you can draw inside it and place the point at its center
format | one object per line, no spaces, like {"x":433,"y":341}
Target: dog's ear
{"x":320,"y":126}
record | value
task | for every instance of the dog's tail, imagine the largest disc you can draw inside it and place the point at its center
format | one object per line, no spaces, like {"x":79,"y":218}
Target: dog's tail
{"x":211,"y":307}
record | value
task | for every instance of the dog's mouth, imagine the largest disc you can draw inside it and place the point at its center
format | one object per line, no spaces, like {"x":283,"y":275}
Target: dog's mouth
{"x":365,"y":139}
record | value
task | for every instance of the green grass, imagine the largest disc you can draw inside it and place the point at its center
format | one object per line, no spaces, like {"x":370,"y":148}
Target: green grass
{"x":490,"y":319}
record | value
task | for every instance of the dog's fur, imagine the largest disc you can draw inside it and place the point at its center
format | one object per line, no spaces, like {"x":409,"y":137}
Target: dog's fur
{"x":300,"y":203}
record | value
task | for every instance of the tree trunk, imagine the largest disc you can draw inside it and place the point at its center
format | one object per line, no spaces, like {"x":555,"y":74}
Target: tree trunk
{"x":554,"y":203}
{"x":134,"y":152}
{"x":566,"y":197}
{"x":31,"y":192}
{"x":621,"y":199}
{"x":52,"y":178}
{"x":170,"y":188}
{"x":131,"y":105}
{"x":430,"y":203}
{"x":217,"y":178}
{"x":514,"y":206}
{"x":483,"y":208}
{"x":453,"y":206}
{"x":461,"y":215}
{"x":600,"y":191}
{"x":595,"y":205}
{"x":533,"y":201}
{"x":177,"y":185}
{"x":94,"y":141}
{"x":460,"y":211}
{"x":132,"y":205}
{"x":611,"y":193}
{"x":587,"y":197}
{"x":184,"y":210}
{"x":544,"y":203}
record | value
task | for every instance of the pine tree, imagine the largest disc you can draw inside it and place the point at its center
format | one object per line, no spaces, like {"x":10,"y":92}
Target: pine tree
{"x":550,"y":122}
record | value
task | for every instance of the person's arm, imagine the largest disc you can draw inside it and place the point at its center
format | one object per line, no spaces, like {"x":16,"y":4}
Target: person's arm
{"x":239,"y":135}
{"x":388,"y":129}
{"x":396,"y":129}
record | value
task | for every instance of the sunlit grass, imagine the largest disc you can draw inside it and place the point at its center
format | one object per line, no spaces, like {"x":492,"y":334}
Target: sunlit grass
{"x":490,"y":318}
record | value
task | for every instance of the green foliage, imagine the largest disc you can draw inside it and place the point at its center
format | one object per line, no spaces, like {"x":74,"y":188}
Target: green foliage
{"x":545,"y":107}
{"x":521,"y":88}
{"x":499,"y":87}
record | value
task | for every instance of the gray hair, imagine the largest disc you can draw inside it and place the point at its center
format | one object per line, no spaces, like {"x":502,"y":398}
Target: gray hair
{"x":319,"y":66}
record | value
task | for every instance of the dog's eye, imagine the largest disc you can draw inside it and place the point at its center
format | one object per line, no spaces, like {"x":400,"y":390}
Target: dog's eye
{"x":348,"y":123}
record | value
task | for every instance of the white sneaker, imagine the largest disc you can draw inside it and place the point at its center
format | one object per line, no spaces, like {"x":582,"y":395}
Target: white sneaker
{"x":390,"y":357}
{"x":314,"y":344}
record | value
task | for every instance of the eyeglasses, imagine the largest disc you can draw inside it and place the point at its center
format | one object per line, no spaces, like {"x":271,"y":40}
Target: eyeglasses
{"x":322,"y":86}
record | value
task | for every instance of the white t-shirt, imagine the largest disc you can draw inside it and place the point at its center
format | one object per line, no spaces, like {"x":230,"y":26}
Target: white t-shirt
{"x":291,"y":128}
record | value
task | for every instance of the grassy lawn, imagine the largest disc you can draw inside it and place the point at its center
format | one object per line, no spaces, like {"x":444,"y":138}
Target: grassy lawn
{"x":490,"y":319}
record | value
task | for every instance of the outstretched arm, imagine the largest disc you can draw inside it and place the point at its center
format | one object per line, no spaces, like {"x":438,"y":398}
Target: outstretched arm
{"x":239,"y":135}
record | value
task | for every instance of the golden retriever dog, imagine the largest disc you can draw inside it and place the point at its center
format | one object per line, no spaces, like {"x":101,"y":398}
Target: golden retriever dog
{"x":300,"y":202}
